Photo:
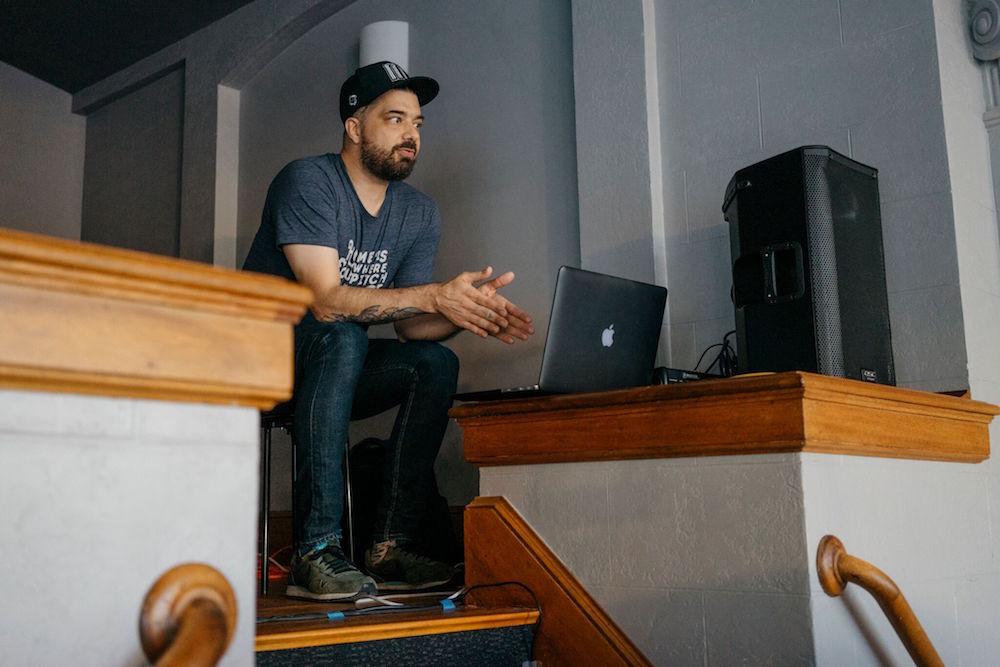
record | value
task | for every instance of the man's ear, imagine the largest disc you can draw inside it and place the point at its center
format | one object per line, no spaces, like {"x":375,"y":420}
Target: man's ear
{"x":352,"y":129}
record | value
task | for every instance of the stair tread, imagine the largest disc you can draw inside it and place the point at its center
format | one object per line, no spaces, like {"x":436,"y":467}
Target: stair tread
{"x":310,"y":629}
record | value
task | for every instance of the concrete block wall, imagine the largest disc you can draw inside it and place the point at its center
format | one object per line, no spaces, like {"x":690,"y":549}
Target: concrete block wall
{"x":742,"y":81}
{"x":931,"y":527}
{"x":972,"y":585}
{"x":970,"y":155}
{"x":711,"y":561}
{"x":891,"y":84}
{"x":613,"y":163}
{"x":101,"y":496}
{"x":701,"y":561}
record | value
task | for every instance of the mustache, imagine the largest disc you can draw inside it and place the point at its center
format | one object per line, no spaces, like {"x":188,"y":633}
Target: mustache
{"x":411,"y":145}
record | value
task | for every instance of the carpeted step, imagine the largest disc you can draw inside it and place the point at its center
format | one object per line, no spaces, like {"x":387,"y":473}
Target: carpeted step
{"x":417,"y":634}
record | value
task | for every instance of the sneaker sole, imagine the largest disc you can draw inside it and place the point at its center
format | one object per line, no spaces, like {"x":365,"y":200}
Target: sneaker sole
{"x":293,"y":591}
{"x":406,"y":586}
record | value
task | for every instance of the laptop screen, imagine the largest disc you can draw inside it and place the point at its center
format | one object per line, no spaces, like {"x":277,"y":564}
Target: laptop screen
{"x":603,"y":332}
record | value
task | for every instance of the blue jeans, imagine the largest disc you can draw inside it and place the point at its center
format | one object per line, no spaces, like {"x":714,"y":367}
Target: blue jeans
{"x":342,"y":375}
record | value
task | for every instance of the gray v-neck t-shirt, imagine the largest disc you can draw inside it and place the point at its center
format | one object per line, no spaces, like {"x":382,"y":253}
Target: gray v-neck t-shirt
{"x":312,"y":201}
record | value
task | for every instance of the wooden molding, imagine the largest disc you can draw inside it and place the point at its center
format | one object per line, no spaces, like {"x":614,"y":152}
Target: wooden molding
{"x":281,"y":635}
{"x":90,"y":319}
{"x":782,"y":412}
{"x":574,"y":629}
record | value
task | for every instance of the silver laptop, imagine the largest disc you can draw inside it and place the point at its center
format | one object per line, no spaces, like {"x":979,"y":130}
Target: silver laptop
{"x":603,"y":333}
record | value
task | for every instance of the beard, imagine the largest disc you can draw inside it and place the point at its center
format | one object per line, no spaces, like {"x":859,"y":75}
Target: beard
{"x":383,"y":163}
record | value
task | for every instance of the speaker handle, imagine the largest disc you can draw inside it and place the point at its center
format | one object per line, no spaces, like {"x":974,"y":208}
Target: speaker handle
{"x":784,"y":278}
{"x":773,"y":275}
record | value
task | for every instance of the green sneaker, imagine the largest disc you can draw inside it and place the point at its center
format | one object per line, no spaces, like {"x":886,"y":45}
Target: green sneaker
{"x":396,"y":569}
{"x":325,"y":574}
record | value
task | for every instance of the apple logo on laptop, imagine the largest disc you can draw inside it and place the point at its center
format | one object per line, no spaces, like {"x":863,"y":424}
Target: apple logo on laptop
{"x":608,"y":336}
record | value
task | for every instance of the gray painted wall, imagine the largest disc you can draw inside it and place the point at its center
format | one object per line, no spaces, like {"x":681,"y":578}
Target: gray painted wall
{"x":42,"y":141}
{"x":125,"y":490}
{"x":711,"y":561}
{"x":228,"y":51}
{"x":132,"y":170}
{"x":701,"y":561}
{"x":973,"y":197}
{"x":742,"y":81}
{"x":616,"y":234}
{"x":892,"y":85}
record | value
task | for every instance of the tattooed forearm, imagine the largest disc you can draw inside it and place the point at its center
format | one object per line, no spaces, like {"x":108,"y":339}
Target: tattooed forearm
{"x":375,"y":315}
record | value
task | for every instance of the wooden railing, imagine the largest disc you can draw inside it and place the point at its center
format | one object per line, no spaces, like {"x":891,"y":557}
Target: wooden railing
{"x":188,"y":617}
{"x":836,"y":568}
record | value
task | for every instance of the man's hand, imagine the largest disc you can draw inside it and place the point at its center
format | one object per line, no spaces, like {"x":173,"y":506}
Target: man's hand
{"x":461,"y":303}
{"x":467,"y":307}
{"x":518,"y":321}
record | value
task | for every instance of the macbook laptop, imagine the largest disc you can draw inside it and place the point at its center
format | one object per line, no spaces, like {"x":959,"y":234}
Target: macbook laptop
{"x":603,"y":333}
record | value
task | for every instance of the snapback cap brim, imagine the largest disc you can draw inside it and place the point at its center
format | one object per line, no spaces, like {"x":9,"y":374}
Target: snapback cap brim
{"x":372,"y":81}
{"x":425,"y":88}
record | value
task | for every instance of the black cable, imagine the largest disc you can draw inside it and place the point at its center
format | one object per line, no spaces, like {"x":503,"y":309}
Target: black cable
{"x":702,"y":357}
{"x":538,"y":606}
{"x":725,"y":359}
{"x":729,"y":355}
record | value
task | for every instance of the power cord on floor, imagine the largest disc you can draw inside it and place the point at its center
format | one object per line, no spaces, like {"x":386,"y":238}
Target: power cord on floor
{"x":376,"y":604}
{"x":365,"y":606}
{"x":538,"y":605}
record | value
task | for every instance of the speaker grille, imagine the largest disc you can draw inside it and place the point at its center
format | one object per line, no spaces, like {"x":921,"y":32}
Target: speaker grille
{"x":823,"y":266}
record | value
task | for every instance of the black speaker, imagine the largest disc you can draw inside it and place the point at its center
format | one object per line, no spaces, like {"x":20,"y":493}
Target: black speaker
{"x":809,"y":291}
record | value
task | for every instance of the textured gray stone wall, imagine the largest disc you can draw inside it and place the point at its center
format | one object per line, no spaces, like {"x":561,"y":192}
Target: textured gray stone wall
{"x":101,"y":496}
{"x":701,"y":561}
{"x":616,"y":232}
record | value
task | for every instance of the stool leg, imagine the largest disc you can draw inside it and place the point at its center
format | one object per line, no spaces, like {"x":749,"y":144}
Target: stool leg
{"x":265,"y":508}
{"x":295,"y":481}
{"x":349,"y":505}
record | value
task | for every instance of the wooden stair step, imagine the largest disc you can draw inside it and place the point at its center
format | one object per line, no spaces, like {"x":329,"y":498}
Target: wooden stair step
{"x":313,"y":628}
{"x":291,"y":634}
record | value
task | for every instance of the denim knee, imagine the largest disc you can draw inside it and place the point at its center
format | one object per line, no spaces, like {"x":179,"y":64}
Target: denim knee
{"x":437,"y":362}
{"x":345,"y":342}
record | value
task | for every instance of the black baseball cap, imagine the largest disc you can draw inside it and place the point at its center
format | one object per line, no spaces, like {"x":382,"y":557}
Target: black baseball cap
{"x":369,"y":82}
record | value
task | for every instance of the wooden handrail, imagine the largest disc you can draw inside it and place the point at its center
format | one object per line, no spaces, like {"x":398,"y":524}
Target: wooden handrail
{"x":836,"y":568}
{"x":188,"y":617}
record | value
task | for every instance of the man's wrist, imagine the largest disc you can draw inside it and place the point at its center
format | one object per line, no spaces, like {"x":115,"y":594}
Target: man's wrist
{"x":431,"y":293}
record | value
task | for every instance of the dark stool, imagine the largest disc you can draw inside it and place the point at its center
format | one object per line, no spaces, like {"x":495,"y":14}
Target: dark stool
{"x":282,"y":416}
